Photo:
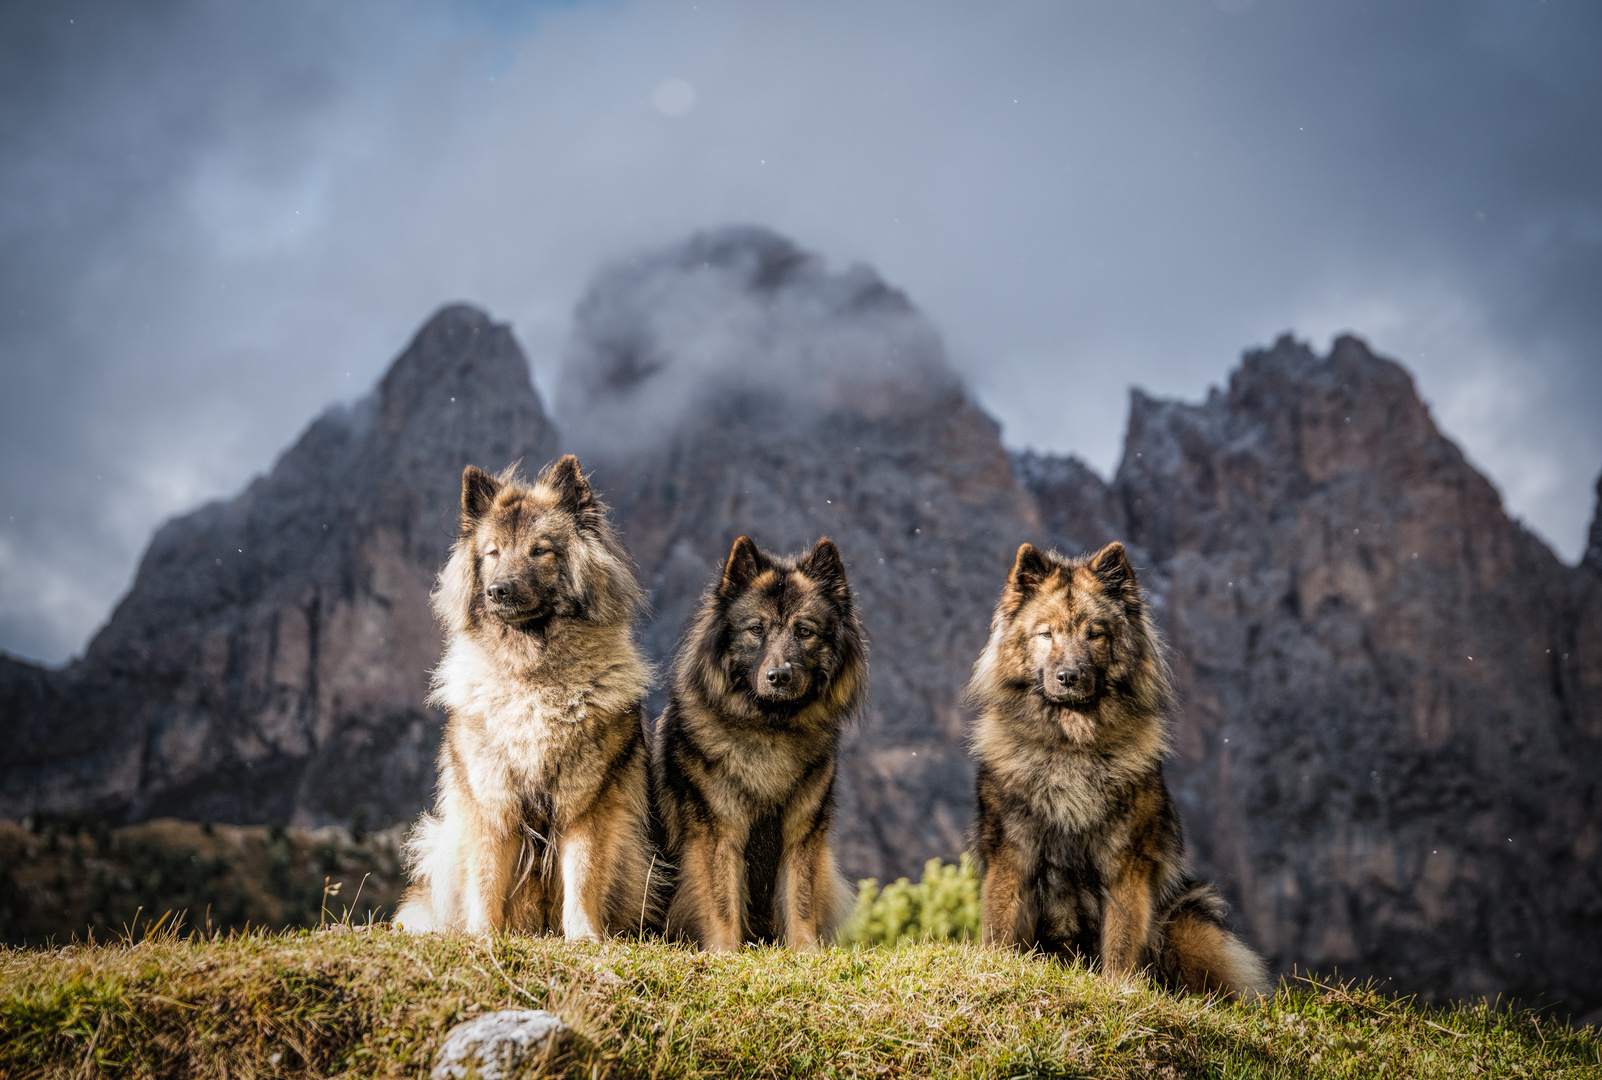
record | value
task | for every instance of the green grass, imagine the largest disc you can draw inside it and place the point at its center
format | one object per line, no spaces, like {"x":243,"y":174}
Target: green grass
{"x":372,"y":1002}
{"x":910,"y":994}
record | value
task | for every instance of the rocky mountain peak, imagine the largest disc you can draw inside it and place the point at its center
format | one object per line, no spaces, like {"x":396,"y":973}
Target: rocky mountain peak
{"x":459,"y":393}
{"x":459,"y":356}
{"x":1292,"y":423}
{"x":271,"y":659}
{"x":1342,"y":409}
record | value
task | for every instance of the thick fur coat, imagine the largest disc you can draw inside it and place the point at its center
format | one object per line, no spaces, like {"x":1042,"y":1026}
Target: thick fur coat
{"x":1079,"y":841}
{"x":743,"y":758}
{"x":543,"y":799}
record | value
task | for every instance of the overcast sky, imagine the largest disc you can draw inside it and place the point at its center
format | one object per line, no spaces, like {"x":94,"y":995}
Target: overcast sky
{"x":218,"y":218}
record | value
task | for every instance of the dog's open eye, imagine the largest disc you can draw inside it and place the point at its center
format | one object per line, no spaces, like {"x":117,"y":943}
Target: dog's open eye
{"x":492,"y":553}
{"x":804,"y":631}
{"x":754,"y":628}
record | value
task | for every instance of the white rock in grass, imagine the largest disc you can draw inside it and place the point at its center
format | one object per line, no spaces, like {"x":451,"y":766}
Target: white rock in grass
{"x":498,"y":1043}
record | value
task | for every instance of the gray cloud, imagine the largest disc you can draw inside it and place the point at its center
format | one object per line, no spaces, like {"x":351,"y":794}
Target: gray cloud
{"x":214,"y":221}
{"x":731,"y":311}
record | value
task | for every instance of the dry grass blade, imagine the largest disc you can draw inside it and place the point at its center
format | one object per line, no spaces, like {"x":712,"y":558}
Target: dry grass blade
{"x":489,"y":950}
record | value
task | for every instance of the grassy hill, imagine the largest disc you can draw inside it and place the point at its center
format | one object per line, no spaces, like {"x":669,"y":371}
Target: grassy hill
{"x":337,"y":995}
{"x":365,"y":1001}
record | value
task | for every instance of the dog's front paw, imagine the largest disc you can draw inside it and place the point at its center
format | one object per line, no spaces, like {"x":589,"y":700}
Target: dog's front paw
{"x":721,"y":941}
{"x":414,"y":918}
{"x":577,"y":927}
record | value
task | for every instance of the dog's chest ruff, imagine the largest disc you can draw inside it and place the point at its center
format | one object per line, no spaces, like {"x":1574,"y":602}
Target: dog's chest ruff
{"x":529,"y":729}
{"x":767,"y":767}
{"x":556,"y":706}
{"x":1070,"y":792}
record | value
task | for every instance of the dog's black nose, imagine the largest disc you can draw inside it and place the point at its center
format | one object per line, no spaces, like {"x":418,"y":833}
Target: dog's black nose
{"x":779,"y":676}
{"x":1067,"y":678}
{"x":499,"y":591}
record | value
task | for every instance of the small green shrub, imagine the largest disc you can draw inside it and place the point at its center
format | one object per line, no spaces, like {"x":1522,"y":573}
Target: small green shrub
{"x":944,"y":906}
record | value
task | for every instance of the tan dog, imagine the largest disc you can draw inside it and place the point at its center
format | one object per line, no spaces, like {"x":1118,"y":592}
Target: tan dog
{"x":743,"y":758}
{"x":541,"y":815}
{"x":1077,"y":835}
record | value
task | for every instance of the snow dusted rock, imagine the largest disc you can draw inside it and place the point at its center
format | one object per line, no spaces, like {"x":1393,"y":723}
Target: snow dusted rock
{"x":498,"y":1043}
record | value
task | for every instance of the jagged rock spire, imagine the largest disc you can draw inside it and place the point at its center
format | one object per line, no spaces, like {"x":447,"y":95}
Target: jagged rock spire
{"x":271,"y":658}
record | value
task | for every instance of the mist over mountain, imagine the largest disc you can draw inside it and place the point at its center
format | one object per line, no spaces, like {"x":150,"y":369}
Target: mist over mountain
{"x":1392,"y":693}
{"x":735,"y":316}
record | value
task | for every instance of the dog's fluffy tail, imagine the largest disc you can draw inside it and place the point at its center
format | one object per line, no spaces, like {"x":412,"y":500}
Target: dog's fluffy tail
{"x":1198,"y":954}
{"x":838,"y":907}
{"x":421,"y":909}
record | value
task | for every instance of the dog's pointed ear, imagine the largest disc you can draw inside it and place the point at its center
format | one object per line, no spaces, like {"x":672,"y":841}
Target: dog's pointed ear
{"x":745,"y":562}
{"x":1112,"y":568}
{"x":566,"y":479}
{"x":824,"y":565}
{"x":1029,"y":571}
{"x":479,"y":489}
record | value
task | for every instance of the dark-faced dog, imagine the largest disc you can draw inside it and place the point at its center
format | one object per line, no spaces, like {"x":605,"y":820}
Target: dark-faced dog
{"x":743,"y":757}
{"x":1077,"y":836}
